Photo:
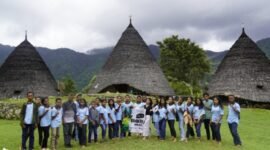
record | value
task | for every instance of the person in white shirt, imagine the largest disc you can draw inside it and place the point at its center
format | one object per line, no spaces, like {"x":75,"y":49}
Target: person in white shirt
{"x":162,"y":110}
{"x":57,"y":113}
{"x":111,"y":118}
{"x":216,"y":118}
{"x":233,"y":119}
{"x":82,"y":121}
{"x":103,"y":118}
{"x":198,"y":116}
{"x":45,"y":115}
{"x":171,"y":108}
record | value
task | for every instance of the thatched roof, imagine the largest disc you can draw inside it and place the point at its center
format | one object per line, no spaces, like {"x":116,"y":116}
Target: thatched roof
{"x":24,"y":70}
{"x":244,"y":72}
{"x":131,"y":63}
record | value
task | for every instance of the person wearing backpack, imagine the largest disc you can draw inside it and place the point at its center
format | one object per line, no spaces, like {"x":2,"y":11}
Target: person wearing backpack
{"x":233,"y":119}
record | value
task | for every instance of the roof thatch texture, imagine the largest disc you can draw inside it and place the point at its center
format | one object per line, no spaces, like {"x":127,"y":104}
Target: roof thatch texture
{"x":24,"y":70}
{"x":132,"y":63}
{"x":244,"y":72}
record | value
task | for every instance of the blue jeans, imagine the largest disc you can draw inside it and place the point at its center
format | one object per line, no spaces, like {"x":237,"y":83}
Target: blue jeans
{"x":92,"y":129}
{"x":236,"y":138}
{"x":181,"y":126}
{"x":103,"y":130}
{"x":118,"y":126}
{"x":162,"y":128}
{"x":156,"y":124}
{"x":28,"y":131}
{"x":198,"y":129}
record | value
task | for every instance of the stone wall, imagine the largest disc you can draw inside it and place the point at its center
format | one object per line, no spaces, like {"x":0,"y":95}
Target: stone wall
{"x":9,"y":111}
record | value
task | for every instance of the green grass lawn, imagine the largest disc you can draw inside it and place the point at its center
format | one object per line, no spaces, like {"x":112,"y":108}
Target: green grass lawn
{"x":254,"y":130}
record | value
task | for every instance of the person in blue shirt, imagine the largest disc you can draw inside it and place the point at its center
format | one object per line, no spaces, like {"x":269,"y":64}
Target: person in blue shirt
{"x":156,"y":116}
{"x":45,"y":116}
{"x":93,"y":121}
{"x":180,"y":108}
{"x":38,"y":103}
{"x":127,"y":108}
{"x":233,"y":119}
{"x":75,"y":133}
{"x":171,"y":108}
{"x":216,"y":119}
{"x":56,"y":122}
{"x":139,"y":103}
{"x":189,"y":112}
{"x":198,"y":116}
{"x":162,"y":110}
{"x":103,"y":118}
{"x":111,"y":118}
{"x":207,"y":102}
{"x":82,"y":121}
{"x":28,"y":121}
{"x":119,"y":117}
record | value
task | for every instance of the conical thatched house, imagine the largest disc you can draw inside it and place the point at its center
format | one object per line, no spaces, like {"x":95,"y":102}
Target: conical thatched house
{"x":131,"y":68}
{"x":244,"y":72}
{"x":24,"y":70}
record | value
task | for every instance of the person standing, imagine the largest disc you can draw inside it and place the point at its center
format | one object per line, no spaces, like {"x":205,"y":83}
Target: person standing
{"x":156,"y":117}
{"x":103,"y":118}
{"x":119,"y":117}
{"x":148,"y":114}
{"x":217,"y":114}
{"x":111,"y":118}
{"x":198,"y":116}
{"x":82,"y":121}
{"x":45,"y":115}
{"x":233,"y":119}
{"x":188,"y":117}
{"x":207,"y":108}
{"x":171,"y":108}
{"x":28,"y":121}
{"x":162,"y":110}
{"x":69,"y":117}
{"x":57,"y":113}
{"x":38,"y":103}
{"x":75,"y":133}
{"x":93,"y":122}
{"x":127,"y":108}
{"x":180,"y":108}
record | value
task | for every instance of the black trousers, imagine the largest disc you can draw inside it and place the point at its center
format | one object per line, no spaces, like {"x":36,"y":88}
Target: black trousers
{"x":67,"y":128}
{"x":172,"y":128}
{"x":39,"y":135}
{"x":82,"y":133}
{"x":45,"y":131}
{"x":111,"y":130}
{"x":207,"y":129}
{"x":28,"y":132}
{"x":190,"y":131}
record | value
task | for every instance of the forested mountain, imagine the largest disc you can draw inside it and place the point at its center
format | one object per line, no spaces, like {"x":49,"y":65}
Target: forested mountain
{"x":82,"y":66}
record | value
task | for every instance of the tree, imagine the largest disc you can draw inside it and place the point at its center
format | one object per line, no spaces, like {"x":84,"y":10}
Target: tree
{"x":67,"y":86}
{"x":183,"y":61}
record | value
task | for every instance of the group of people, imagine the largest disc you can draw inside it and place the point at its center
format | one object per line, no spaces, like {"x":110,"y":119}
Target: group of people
{"x":113,"y":114}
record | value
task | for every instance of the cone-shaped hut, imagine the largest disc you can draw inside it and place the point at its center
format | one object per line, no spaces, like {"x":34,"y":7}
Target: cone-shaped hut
{"x":24,"y":70}
{"x":131,"y":68}
{"x":244,"y":72}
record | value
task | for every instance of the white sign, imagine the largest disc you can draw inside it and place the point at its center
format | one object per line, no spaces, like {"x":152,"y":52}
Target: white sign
{"x":137,"y":120}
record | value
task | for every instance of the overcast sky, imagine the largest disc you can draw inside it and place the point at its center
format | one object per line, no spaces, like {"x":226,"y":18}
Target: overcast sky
{"x":87,"y":24}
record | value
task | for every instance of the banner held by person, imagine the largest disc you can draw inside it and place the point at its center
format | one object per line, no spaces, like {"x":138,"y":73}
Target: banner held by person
{"x":137,"y":120}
